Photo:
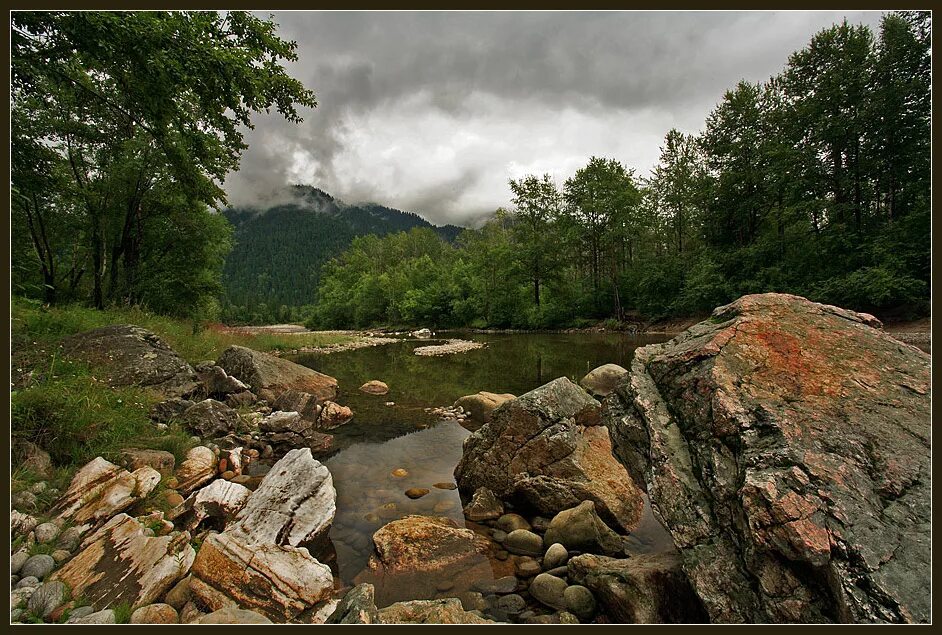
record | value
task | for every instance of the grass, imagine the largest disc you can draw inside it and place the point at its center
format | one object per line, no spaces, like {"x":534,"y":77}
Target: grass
{"x":122,"y":612}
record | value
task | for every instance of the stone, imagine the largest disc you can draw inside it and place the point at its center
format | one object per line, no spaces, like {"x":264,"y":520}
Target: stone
{"x":511,"y":521}
{"x":101,"y":489}
{"x":498,"y":535}
{"x":105,"y":616}
{"x":500,"y":586}
{"x":60,"y":555}
{"x":24,"y":501}
{"x":375,"y":387}
{"x":71,"y":537}
{"x":579,"y":601}
{"x":334,"y":415}
{"x":161,"y":460}
{"x":400,"y":472}
{"x":46,"y":532}
{"x":445,"y":611}
{"x":210,"y":419}
{"x":32,"y":458}
{"x":155,"y":614}
{"x":556,"y":556}
{"x":484,"y":505}
{"x":21,"y":524}
{"x":645,"y":589}
{"x":120,"y":563}
{"x":172,"y":497}
{"x":809,"y":426}
{"x":292,"y":430}
{"x":129,"y":355}
{"x":479,"y":407}
{"x":544,"y":449}
{"x":220,"y":499}
{"x":38,"y":566}
{"x":528,"y":567}
{"x":415,"y":552}
{"x":308,"y":406}
{"x":190,"y":613}
{"x":233,"y":615}
{"x":198,"y":468}
{"x":580,"y":528}
{"x":523,"y":542}
{"x":266,"y":373}
{"x":512,"y":604}
{"x":179,"y":595}
{"x":28,"y":582}
{"x":565,"y":617}
{"x":79,"y":612}
{"x":450,"y":486}
{"x":416,"y":492}
{"x":169,"y":410}
{"x":601,"y":381}
{"x":216,"y":383}
{"x":240,"y":399}
{"x":358,"y":606}
{"x":17,"y":560}
{"x":549,"y":590}
{"x":269,"y":553}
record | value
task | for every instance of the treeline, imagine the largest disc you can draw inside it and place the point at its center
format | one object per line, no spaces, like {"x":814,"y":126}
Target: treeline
{"x":816,"y":182}
{"x":123,"y":127}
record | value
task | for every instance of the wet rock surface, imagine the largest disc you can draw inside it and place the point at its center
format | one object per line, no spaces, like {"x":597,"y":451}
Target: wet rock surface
{"x":785,"y":444}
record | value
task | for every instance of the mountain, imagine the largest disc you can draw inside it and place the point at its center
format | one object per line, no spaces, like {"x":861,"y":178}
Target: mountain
{"x":279,"y":250}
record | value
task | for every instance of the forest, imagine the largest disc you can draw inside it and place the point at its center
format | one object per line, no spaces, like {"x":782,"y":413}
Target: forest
{"x":124,"y":125}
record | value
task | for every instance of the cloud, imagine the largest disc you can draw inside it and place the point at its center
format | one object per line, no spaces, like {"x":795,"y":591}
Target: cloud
{"x":433,"y":112}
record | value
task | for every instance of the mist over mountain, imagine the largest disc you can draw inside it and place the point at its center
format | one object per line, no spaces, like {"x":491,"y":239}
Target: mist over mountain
{"x":282,"y":242}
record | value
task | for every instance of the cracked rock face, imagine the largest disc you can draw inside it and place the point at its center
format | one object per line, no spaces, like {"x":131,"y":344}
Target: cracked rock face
{"x":546,"y":450}
{"x":101,"y":489}
{"x":785,"y":445}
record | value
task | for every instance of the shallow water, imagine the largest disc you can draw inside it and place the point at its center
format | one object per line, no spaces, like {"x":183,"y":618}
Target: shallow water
{"x":383,"y":438}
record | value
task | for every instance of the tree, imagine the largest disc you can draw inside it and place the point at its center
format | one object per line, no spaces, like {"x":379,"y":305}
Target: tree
{"x":537,"y":205}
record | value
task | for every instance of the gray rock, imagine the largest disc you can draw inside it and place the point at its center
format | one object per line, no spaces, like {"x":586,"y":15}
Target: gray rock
{"x":511,"y":604}
{"x":581,"y":528}
{"x":510,"y":522}
{"x":32,"y":458}
{"x":46,"y":532}
{"x":484,"y":505}
{"x":500,"y":586}
{"x":169,"y":409}
{"x":17,"y":560}
{"x":556,"y":556}
{"x":549,"y":590}
{"x":527,"y":567}
{"x":16,"y":615}
{"x":579,"y":601}
{"x":106,"y":616}
{"x":79,"y":612}
{"x":60,"y":555}
{"x":498,"y":535}
{"x":358,"y":606}
{"x":233,"y":615}
{"x":269,"y":376}
{"x":210,"y":418}
{"x":38,"y":566}
{"x":27,"y":582}
{"x":47,"y":598}
{"x":38,"y":487}
{"x":24,"y":501}
{"x":71,"y":537}
{"x":559,"y":572}
{"x":179,"y":595}
{"x":523,"y":542}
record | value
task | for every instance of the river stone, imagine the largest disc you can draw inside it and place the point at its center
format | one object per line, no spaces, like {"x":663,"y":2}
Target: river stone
{"x":198,"y":468}
{"x":17,"y":560}
{"x":130,"y":355}
{"x":105,"y":616}
{"x":446,"y":611}
{"x":38,"y":566}
{"x":46,"y":532}
{"x":527,"y":567}
{"x":101,"y":489}
{"x":511,"y":604}
{"x":523,"y":542}
{"x":484,"y":505}
{"x":375,"y":387}
{"x":545,"y":449}
{"x":179,"y":595}
{"x":510,"y":522}
{"x":786,"y":445}
{"x":70,"y":537}
{"x":268,"y":376}
{"x":160,"y":460}
{"x":210,"y":419}
{"x":600,"y":382}
{"x":556,"y":556}
{"x":358,"y":606}
{"x":28,"y":582}
{"x":579,"y":601}
{"x":580,"y":528}
{"x":155,"y":614}
{"x":549,"y":590}
{"x":480,"y":406}
{"x":416,"y":492}
{"x":233,"y":615}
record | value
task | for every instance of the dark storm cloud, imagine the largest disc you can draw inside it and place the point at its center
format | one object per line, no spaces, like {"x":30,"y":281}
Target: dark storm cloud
{"x":433,"y":112}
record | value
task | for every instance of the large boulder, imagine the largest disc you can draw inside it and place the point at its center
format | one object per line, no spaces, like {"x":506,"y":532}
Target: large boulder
{"x":120,"y":563}
{"x":785,"y":445}
{"x":132,"y":356}
{"x":479,"y":407}
{"x":581,"y":528}
{"x":292,"y":430}
{"x":214,"y":382}
{"x":210,"y":419}
{"x":545,"y":449}
{"x":263,"y":561}
{"x":601,"y":381}
{"x":646,"y":589}
{"x":101,"y":489}
{"x":268,"y":376}
{"x":416,"y":553}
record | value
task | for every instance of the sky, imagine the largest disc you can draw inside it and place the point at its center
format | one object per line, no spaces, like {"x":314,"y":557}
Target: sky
{"x":433,"y":112}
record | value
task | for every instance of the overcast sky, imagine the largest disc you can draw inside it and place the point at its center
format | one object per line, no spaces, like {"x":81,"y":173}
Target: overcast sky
{"x":433,"y":112}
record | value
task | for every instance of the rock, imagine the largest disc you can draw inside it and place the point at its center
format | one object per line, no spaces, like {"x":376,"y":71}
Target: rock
{"x":413,"y":553}
{"x":24,"y":501}
{"x":267,"y":553}
{"x":811,"y":428}
{"x":28,"y":582}
{"x":179,"y":595}
{"x":484,"y":505}
{"x":511,"y":604}
{"x":172,"y":497}
{"x":266,"y":373}
{"x":46,"y":532}
{"x":210,"y":419}
{"x":38,"y":566}
{"x":538,"y":450}
{"x":190,"y":613}
{"x":17,"y":560}
{"x":479,"y":407}
{"x":357,"y":607}
{"x":416,"y":492}
{"x":216,"y":383}
{"x":21,"y":524}
{"x":70,"y":537}
{"x":646,"y":589}
{"x":446,"y":611}
{"x":565,"y":617}
{"x":601,"y":381}
{"x":101,"y":489}
{"x":233,"y":615}
{"x":155,"y":614}
{"x":400,"y":472}
{"x":334,"y":415}
{"x":198,"y":468}
{"x":375,"y":387}
{"x":160,"y":460}
{"x":527,"y":567}
{"x":38,"y":487}
{"x":523,"y":542}
{"x":32,"y":458}
{"x":421,"y":333}
{"x":169,"y":409}
{"x":106,"y":616}
{"x":579,"y":601}
{"x":556,"y":556}
{"x":580,"y":528}
{"x":549,"y":590}
{"x":240,"y":399}
{"x":132,"y":356}
{"x":305,"y":404}
{"x":119,"y":563}
{"x":510,"y":522}
{"x":60,"y":555}
{"x":79,"y":612}
{"x":500,"y":586}
{"x":449,"y":486}
{"x":292,"y":430}
{"x":220,"y":499}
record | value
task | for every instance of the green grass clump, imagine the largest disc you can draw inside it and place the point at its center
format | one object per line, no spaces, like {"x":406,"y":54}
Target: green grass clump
{"x":122,"y":612}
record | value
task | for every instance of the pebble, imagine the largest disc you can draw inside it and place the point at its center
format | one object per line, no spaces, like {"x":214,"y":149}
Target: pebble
{"x":523,"y":542}
{"x":38,"y":566}
{"x":173,"y":498}
{"x":549,"y":590}
{"x":228,"y":475}
{"x":502,"y":555}
{"x":555,"y":556}
{"x":267,"y":452}
{"x":559,"y":572}
{"x":510,"y":522}
{"x":27,"y":582}
{"x":498,"y":535}
{"x":446,"y":486}
{"x":579,"y":601}
{"x":512,"y":604}
{"x":173,"y":483}
{"x":565,"y":617}
{"x":60,"y":555}
{"x":38,"y":488}
{"x":400,"y":472}
{"x":528,"y":567}
{"x":46,"y":533}
{"x":500,"y":586}
{"x":416,"y":492}
{"x":47,"y":598}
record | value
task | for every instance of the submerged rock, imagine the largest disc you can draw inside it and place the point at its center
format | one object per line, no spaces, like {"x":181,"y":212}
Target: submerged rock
{"x":479,"y":407}
{"x":546,"y":450}
{"x":375,"y":387}
{"x":785,"y":445}
{"x":269,"y":376}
